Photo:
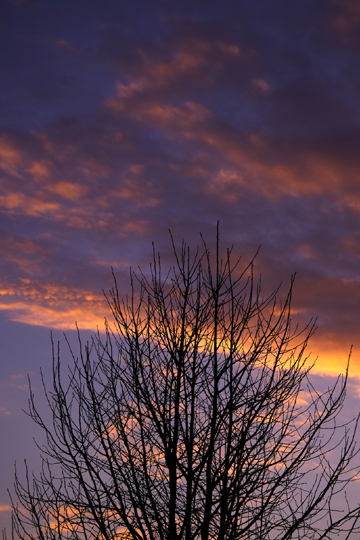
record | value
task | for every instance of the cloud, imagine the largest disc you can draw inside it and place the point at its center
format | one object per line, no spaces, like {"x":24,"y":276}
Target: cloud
{"x":271,"y":163}
{"x":40,"y":192}
{"x":10,"y":157}
{"x":180,"y":119}
{"x":159,"y":74}
{"x":65,"y":44}
{"x":345,"y":18}
{"x":40,"y":170}
{"x":69,"y":191}
{"x":32,"y":206}
{"x":197,"y":56}
{"x":53,"y":306}
{"x":155,"y":125}
{"x":261,"y":85}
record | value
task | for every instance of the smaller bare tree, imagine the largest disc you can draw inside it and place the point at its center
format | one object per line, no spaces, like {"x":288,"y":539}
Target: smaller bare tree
{"x":186,"y":423}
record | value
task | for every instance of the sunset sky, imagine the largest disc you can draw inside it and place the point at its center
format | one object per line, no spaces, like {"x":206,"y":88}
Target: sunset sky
{"x":120,"y":120}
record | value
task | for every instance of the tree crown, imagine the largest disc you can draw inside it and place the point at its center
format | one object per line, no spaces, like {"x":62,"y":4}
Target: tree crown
{"x":186,"y":421}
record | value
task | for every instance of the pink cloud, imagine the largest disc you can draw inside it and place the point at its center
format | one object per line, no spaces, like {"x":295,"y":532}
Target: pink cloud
{"x":196,"y":55}
{"x":261,"y":85}
{"x":32,"y":206}
{"x":68,"y":190}
{"x":10,"y":157}
{"x":40,"y":170}
{"x":345,"y":17}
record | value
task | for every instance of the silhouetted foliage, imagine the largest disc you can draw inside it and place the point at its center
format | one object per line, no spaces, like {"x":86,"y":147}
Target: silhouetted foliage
{"x":193,"y":418}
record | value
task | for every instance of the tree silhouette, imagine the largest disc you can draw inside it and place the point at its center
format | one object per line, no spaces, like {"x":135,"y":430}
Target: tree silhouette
{"x":189,"y":420}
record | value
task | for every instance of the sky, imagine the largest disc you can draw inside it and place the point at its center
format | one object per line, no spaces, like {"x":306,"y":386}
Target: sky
{"x":120,"y":121}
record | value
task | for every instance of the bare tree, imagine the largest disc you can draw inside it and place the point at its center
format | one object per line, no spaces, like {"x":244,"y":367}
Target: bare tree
{"x":189,"y":420}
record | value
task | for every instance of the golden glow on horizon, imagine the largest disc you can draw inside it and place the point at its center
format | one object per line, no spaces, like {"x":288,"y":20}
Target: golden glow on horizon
{"x":61,"y":308}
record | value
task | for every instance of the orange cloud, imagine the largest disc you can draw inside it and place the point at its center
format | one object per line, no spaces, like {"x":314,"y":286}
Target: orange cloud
{"x":345,"y":18}
{"x":135,"y":190}
{"x":38,"y":205}
{"x":158,"y":74}
{"x":139,"y":227}
{"x":181,"y":63}
{"x":252,"y":163}
{"x":307,"y":251}
{"x":28,"y":205}
{"x":231,"y":50}
{"x":197,"y":54}
{"x":10,"y":157}
{"x":69,"y":191}
{"x":56,"y":306}
{"x":40,"y":170}
{"x":64,"y":44}
{"x":332,"y":356}
{"x":78,"y":205}
{"x":309,"y":174}
{"x":11,"y":246}
{"x":53,"y":306}
{"x":93,"y":169}
{"x":54,"y":317}
{"x":261,"y":85}
{"x":179,"y":118}
{"x":71,"y":204}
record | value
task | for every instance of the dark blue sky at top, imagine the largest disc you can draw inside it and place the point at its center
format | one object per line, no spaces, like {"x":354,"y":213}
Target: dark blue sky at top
{"x":121,"y":120}
{"x":297,"y":51}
